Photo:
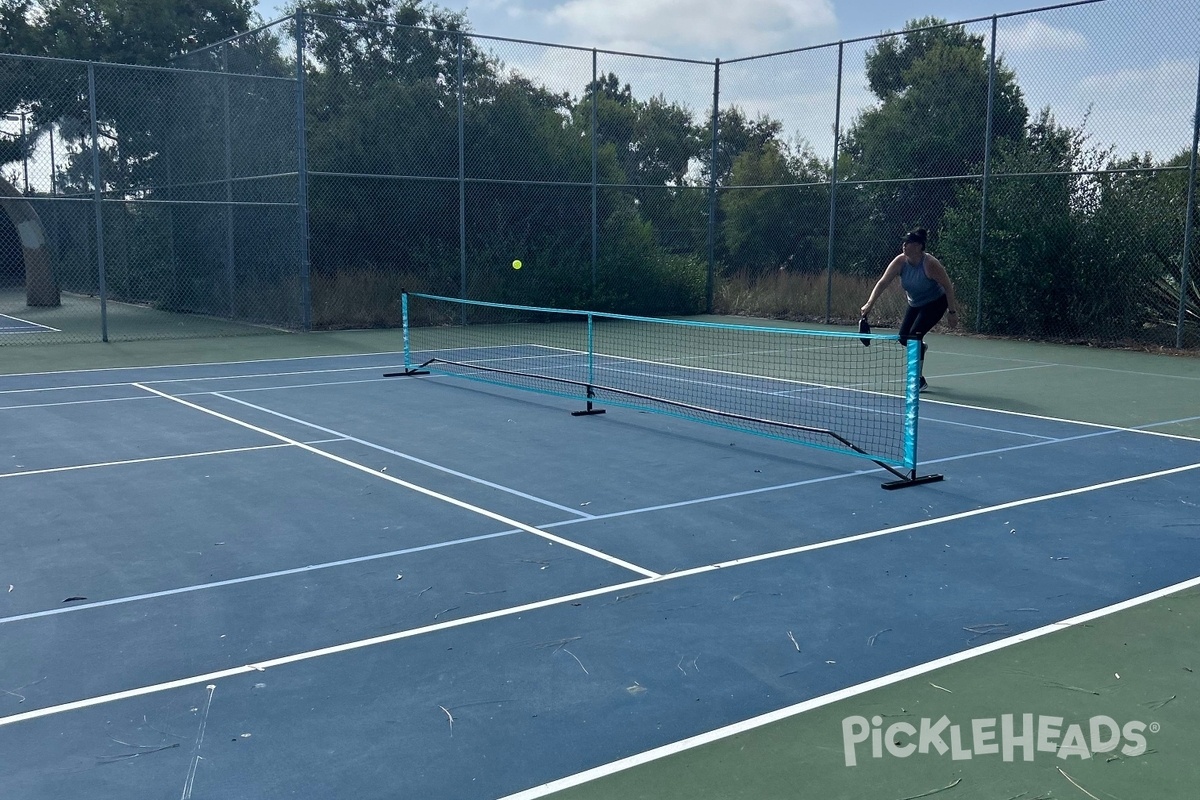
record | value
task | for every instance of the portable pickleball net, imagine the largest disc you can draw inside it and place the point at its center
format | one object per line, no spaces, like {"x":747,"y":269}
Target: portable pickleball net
{"x":825,"y":389}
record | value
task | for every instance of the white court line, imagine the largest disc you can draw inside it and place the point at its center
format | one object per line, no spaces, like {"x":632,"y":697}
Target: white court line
{"x":189,"y":364}
{"x":842,"y":694}
{"x":407,"y":485}
{"x":561,"y":523}
{"x":926,"y":401}
{"x":200,"y":379}
{"x":408,"y":457}
{"x":146,"y":460}
{"x":990,"y":429}
{"x":521,"y":609}
{"x":1134,"y":429}
{"x":199,"y":587}
{"x":73,"y":403}
{"x":987,"y":371}
{"x":38,"y":327}
{"x":804,"y":385}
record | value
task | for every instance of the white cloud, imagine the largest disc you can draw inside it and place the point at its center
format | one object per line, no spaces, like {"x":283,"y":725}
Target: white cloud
{"x":1033,"y":35}
{"x":696,"y":28}
{"x":1143,"y":109}
{"x":1137,"y":109}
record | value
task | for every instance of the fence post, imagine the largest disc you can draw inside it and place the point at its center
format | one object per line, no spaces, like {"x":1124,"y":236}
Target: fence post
{"x":987,"y":172}
{"x":1187,"y":222}
{"x":462,"y":181}
{"x":230,"y":279}
{"x":97,"y":197}
{"x":24,"y":152}
{"x":833,"y":178}
{"x":302,"y":179}
{"x":595,"y":150}
{"x":712,"y":187}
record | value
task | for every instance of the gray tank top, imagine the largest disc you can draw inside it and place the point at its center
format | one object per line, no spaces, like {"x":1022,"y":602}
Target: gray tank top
{"x":919,"y":287}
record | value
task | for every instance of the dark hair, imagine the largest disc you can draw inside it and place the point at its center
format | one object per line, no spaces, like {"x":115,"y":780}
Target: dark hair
{"x":917,"y":235}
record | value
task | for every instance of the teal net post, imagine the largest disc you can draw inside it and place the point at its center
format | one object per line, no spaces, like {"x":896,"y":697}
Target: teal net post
{"x":912,"y":413}
{"x":912,"y":389}
{"x":404,"y":328}
{"x":591,"y":349}
{"x":589,"y":386}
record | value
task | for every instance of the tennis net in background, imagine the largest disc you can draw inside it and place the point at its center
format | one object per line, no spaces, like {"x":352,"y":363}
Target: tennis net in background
{"x":824,"y":389}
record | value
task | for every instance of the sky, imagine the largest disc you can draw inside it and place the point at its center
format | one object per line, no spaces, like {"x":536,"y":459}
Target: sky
{"x":1126,"y":70}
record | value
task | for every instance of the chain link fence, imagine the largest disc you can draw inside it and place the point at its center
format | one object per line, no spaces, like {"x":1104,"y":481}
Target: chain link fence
{"x":149,"y":202}
{"x":300,"y":176}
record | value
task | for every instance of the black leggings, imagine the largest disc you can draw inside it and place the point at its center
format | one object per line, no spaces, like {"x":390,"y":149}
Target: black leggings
{"x":919,"y":320}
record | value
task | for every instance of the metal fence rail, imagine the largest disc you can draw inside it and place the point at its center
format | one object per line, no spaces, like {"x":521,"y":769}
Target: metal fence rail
{"x":299,"y":176}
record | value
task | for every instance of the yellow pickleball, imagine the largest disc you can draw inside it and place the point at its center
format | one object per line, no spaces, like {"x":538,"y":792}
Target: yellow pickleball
{"x":517,"y":264}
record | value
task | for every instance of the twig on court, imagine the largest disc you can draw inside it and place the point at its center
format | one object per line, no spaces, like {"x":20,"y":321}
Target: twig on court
{"x":143,"y":750}
{"x":423,"y":591}
{"x":20,"y":688}
{"x":146,"y":723}
{"x":558,"y":644}
{"x":934,"y":791}
{"x":871,"y":639}
{"x":577,"y":661}
{"x":445,"y":611}
{"x":1076,"y":785}
{"x":986,"y":629}
{"x":793,"y":638}
{"x":450,"y":717}
{"x":477,"y":703}
{"x":1154,"y":705}
{"x":1058,"y":685}
{"x":189,"y":783}
{"x":943,"y":688}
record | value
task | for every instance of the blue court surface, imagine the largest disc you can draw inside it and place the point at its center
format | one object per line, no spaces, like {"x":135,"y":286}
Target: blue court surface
{"x":10,"y":324}
{"x":299,"y":578}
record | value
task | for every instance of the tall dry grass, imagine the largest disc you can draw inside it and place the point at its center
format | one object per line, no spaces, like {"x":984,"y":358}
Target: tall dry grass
{"x":782,"y":294}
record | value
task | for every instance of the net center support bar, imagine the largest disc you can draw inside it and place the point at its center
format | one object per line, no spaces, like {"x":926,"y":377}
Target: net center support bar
{"x":824,"y":389}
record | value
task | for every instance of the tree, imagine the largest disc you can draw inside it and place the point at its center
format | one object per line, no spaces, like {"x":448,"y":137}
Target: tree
{"x":145,"y":32}
{"x":1037,"y":276}
{"x":736,"y":134}
{"x":932,"y":86}
{"x":776,"y":222}
{"x":1138,"y":224}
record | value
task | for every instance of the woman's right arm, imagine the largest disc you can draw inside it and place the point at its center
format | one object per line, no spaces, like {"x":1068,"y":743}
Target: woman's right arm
{"x":889,"y":275}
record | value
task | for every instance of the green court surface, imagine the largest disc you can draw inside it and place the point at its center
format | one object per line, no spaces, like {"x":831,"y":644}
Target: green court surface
{"x":1138,"y":665}
{"x":1135,"y":663}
